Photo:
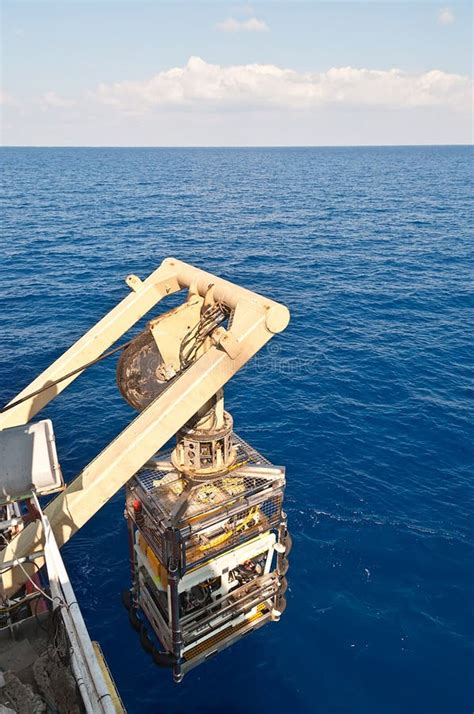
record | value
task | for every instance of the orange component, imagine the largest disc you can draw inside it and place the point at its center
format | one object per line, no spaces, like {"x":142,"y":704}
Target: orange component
{"x":157,"y":567}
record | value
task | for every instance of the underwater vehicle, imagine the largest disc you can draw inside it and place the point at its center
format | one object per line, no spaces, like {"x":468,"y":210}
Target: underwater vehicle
{"x":207,"y":532}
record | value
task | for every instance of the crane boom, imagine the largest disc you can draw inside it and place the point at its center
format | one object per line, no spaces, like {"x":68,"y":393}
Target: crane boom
{"x":255,"y":320}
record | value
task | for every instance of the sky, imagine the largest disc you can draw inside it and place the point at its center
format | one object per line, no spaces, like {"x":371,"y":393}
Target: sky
{"x":122,"y":73}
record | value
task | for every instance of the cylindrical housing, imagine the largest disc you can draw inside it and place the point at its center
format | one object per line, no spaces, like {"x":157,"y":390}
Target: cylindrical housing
{"x":230,"y":294}
{"x":204,"y":454}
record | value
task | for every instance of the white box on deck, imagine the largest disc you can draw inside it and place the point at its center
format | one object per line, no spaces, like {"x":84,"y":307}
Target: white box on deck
{"x":28,"y":461}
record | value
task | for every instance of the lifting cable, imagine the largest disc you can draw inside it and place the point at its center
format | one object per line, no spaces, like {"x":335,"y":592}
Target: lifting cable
{"x":205,"y":322}
{"x":66,"y":376}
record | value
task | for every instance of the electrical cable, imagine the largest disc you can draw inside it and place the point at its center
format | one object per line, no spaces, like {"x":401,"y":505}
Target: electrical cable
{"x":205,"y":319}
{"x":208,"y":322}
{"x":35,"y":585}
{"x":19,"y":603}
{"x":38,"y":622}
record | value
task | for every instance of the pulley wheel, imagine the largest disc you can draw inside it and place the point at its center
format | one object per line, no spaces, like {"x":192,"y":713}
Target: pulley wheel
{"x":138,"y":371}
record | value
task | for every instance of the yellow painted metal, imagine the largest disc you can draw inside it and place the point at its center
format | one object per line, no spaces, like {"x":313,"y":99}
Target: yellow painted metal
{"x":157,"y":567}
{"x":114,"y":695}
{"x":277,"y":315}
{"x":255,"y":321}
{"x":160,"y":283}
{"x":169,"y":330}
{"x":260,"y":611}
{"x":218,"y":540}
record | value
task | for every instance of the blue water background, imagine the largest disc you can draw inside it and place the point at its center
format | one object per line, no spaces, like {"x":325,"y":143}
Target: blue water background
{"x":366,"y":398}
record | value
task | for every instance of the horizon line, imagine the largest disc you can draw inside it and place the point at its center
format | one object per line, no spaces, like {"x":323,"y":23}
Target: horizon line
{"x":228,"y":146}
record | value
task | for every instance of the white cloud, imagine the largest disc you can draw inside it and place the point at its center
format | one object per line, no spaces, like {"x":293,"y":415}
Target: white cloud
{"x":446,"y":16}
{"x":258,"y":86}
{"x":251,"y":25}
{"x":51,"y":99}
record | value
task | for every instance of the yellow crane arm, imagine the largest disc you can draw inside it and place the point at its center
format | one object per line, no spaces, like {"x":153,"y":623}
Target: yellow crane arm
{"x":255,"y":320}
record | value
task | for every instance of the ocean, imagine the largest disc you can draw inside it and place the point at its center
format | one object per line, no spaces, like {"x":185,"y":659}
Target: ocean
{"x":366,"y":399}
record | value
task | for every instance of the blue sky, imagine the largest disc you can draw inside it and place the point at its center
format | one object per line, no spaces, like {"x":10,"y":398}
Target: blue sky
{"x":82,"y":72}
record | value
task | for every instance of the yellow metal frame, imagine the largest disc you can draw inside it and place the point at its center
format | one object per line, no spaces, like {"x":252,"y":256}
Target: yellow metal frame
{"x":255,"y":320}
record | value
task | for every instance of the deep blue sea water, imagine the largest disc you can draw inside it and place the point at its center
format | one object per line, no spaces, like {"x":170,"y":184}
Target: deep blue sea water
{"x":366,"y":398}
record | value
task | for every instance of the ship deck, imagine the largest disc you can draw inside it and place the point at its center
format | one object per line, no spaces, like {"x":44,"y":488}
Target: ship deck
{"x":34,"y":673}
